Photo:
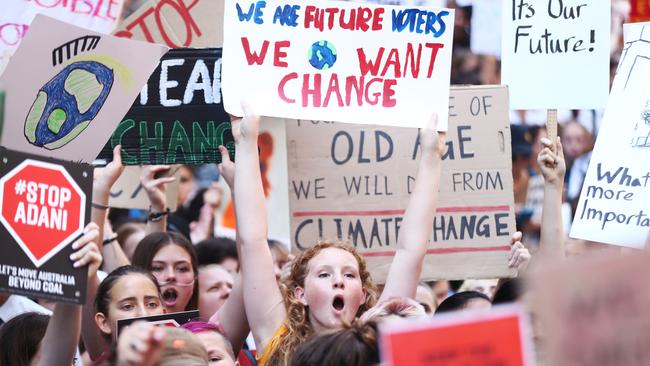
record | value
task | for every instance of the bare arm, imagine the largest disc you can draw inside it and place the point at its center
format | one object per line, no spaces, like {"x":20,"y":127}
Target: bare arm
{"x":406,"y":267}
{"x":104,"y":179}
{"x":232,"y":314}
{"x":61,"y":338}
{"x":551,"y":162}
{"x":262,"y":298}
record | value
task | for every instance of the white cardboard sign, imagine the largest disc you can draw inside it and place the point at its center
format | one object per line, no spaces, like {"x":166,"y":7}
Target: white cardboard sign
{"x":614,"y":205}
{"x":17,"y":15}
{"x":555,"y":54}
{"x":338,"y":61}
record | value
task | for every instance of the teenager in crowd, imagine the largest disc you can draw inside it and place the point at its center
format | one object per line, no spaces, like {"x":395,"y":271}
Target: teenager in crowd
{"x":171,"y":258}
{"x":353,"y":345}
{"x":220,"y":351}
{"x":36,"y":339}
{"x":329,"y":283}
{"x":127,"y":292}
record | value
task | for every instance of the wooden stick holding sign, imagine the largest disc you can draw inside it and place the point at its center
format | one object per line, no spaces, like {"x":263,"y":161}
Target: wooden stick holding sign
{"x":551,"y":124}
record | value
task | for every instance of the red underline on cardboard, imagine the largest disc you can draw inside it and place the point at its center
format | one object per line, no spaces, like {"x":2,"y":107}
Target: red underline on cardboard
{"x":401,"y":212}
{"x":391,"y":253}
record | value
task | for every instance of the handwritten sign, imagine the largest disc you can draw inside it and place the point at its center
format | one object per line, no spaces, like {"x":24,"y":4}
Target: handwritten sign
{"x":353,"y":182}
{"x":639,"y":11}
{"x":127,"y":192}
{"x":17,"y":15}
{"x":613,"y":206}
{"x":594,"y":312}
{"x":555,"y":53}
{"x":497,"y":337}
{"x":66,"y":85}
{"x":338,"y":61}
{"x":176,"y":23}
{"x":485,"y":37}
{"x":44,"y":206}
{"x":179,"y":117}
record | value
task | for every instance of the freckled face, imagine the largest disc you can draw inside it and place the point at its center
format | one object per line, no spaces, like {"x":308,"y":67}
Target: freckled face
{"x":333,"y":290}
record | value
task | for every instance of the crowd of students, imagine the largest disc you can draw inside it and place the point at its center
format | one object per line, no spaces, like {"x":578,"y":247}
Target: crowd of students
{"x":257,"y":303}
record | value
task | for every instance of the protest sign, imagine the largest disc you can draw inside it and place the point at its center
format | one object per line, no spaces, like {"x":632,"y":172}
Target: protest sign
{"x":353,"y":182}
{"x":176,"y":23}
{"x":17,"y":15}
{"x":179,"y":117}
{"x":127,"y":192}
{"x":338,"y":61}
{"x":555,"y":54}
{"x":272,"y":145}
{"x":639,"y":11}
{"x":497,"y":337}
{"x":485,"y":35}
{"x":166,"y":320}
{"x":44,"y":206}
{"x":2,"y":112}
{"x":594,"y":311}
{"x":66,"y":87}
{"x":614,"y":201}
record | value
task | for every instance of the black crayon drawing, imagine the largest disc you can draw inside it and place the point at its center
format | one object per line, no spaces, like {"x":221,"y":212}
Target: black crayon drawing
{"x":68,"y":102}
{"x":638,"y":48}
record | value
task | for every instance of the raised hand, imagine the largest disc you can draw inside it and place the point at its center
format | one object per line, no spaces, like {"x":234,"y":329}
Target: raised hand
{"x":247,"y":128}
{"x":87,"y":250}
{"x":156,"y":187}
{"x":107,"y":176}
{"x":519,"y":257}
{"x":551,"y":161}
{"x":432,"y":142}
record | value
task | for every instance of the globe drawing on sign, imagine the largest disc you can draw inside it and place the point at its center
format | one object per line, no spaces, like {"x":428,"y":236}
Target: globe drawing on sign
{"x":322,"y":55}
{"x":66,"y":104}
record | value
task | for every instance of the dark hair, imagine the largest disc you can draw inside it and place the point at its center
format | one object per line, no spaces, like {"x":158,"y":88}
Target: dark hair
{"x":103,"y":296}
{"x":216,"y":250}
{"x":354,"y":345}
{"x":21,"y":337}
{"x":459,"y":300}
{"x":128,"y":229}
{"x":509,"y":291}
{"x":152,"y":243}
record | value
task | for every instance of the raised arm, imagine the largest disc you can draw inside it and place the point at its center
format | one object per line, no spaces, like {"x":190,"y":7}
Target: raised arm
{"x":551,"y":162}
{"x":232,"y":314}
{"x":405,"y":270}
{"x":262,"y":298}
{"x":104,"y":179}
{"x":61,"y":338}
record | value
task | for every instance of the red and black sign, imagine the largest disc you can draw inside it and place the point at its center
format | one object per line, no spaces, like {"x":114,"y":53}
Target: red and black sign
{"x":44,"y":207}
{"x":167,"y":320}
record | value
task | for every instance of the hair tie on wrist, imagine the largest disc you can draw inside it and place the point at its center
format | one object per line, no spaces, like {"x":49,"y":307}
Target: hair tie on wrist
{"x":99,"y":206}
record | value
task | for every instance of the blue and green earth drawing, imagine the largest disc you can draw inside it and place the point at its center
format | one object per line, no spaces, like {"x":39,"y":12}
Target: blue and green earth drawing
{"x":66,"y":104}
{"x":322,"y":55}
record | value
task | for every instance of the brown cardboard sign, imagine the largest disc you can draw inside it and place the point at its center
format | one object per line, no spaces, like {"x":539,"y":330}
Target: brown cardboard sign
{"x":595,"y":312}
{"x":353,"y":182}
{"x":127,"y":192}
{"x":176,"y":23}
